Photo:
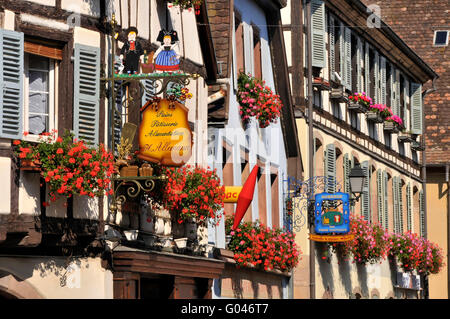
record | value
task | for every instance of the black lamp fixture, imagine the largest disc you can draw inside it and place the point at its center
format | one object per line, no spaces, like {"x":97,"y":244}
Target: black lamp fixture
{"x":357,"y":180}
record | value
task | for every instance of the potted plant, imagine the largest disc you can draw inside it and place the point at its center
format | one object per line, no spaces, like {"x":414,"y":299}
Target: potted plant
{"x":393,"y":124}
{"x":369,"y":245}
{"x":359,"y":102}
{"x":193,"y":194}
{"x":70,"y":167}
{"x":257,"y":100}
{"x":257,"y":246}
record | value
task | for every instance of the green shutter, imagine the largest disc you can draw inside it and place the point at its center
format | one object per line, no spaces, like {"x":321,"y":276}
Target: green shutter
{"x":367,"y":70}
{"x":11,"y":84}
{"x":380,"y":197}
{"x":383,"y":81}
{"x":86,"y":93}
{"x":422,"y":214}
{"x":408,"y":208}
{"x":348,"y":58}
{"x":318,"y":33}
{"x":330,"y":168}
{"x":416,"y":108}
{"x":365,"y":197}
{"x":400,"y":205}
{"x":395,"y":200}
{"x":385,"y":201}
{"x":332,"y":39}
{"x":342,"y":59}
{"x":359,"y":53}
{"x":347,"y":169}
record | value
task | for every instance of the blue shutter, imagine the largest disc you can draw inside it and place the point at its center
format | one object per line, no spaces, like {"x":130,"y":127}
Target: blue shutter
{"x":318,"y":33}
{"x":367,"y":70}
{"x":359,"y":53}
{"x":11,"y":84}
{"x":348,"y":58}
{"x":422,"y":214}
{"x":408,"y":208}
{"x":380,"y":197}
{"x":332,"y":39}
{"x":86,"y":93}
{"x":347,"y":168}
{"x":383,"y":80}
{"x":385,"y":201}
{"x":330,"y":168}
{"x":400,"y":205}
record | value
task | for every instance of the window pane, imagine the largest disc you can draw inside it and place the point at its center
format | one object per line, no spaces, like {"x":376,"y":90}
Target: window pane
{"x":38,"y":62}
{"x":38,"y":103}
{"x":38,"y":81}
{"x":38,"y":124}
{"x":441,"y":38}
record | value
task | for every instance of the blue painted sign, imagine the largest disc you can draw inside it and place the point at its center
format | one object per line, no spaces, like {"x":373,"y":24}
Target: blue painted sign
{"x":332,"y":220}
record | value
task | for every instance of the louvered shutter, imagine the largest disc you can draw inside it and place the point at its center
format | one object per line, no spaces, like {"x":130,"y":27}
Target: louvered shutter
{"x":365,"y":197}
{"x":332,"y":34}
{"x":376,"y":94}
{"x":380,"y":198}
{"x":347,"y":169}
{"x":86,"y":93}
{"x":330,"y":168}
{"x":342,"y":59}
{"x":318,"y":33}
{"x":348,"y":58}
{"x":11,"y":84}
{"x":367,"y":70}
{"x":397,"y":92}
{"x":416,"y":108}
{"x":400,"y":205}
{"x":359,"y":54}
{"x":408,"y":208}
{"x":405,"y":103}
{"x":395,"y":200}
{"x":118,"y":111}
{"x":422,"y":214}
{"x":385,"y":200}
{"x":382,"y":87}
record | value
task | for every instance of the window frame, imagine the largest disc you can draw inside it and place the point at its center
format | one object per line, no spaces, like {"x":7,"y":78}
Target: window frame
{"x":52,"y":93}
{"x":435,"y":35}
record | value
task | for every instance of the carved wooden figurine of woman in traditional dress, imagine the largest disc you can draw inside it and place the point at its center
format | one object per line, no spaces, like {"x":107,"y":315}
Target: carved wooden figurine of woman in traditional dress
{"x":167,"y":57}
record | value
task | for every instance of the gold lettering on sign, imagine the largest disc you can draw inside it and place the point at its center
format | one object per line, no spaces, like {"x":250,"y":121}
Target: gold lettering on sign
{"x":164,"y":135}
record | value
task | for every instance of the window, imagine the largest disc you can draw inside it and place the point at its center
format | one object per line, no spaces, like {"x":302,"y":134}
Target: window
{"x":387,"y":140}
{"x":239,"y":42}
{"x":317,"y":98}
{"x":39,"y":97}
{"x":440,"y":38}
{"x":336,"y":109}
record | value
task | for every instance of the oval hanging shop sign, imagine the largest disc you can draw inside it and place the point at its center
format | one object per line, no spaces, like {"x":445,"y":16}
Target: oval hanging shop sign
{"x":164,"y":134}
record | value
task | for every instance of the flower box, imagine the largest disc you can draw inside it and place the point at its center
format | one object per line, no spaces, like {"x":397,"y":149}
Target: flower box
{"x":30,"y":165}
{"x":374,"y":117}
{"x":357,"y":107}
{"x":404,"y":137}
{"x":339,"y":94}
{"x":321,"y":84}
{"x":417,"y":146}
{"x":390,"y":127}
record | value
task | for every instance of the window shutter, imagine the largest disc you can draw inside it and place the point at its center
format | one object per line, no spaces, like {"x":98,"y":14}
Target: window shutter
{"x":382,"y":87}
{"x":11,"y":84}
{"x":348,"y":58}
{"x":347,"y":169}
{"x":405,"y":103}
{"x":385,"y":199}
{"x":318,"y":33}
{"x":365,"y":203}
{"x":118,"y":111}
{"x":86,"y":93}
{"x":416,"y":108}
{"x":376,"y":93}
{"x":380,"y":198}
{"x":367,"y":70}
{"x":395,"y":199}
{"x":342,"y":60}
{"x":408,"y":208}
{"x":330,"y":168}
{"x":359,"y":54}
{"x":332,"y":39}
{"x":422,"y":214}
{"x":400,"y":205}
{"x":397,"y":92}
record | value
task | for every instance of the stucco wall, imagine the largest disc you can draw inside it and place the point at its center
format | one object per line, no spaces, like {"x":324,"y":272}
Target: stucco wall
{"x":84,"y":278}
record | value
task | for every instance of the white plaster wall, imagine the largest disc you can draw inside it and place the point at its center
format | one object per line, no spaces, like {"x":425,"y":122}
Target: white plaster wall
{"x":44,"y":2}
{"x":9,"y":22}
{"x":5,"y":194}
{"x":85,"y":278}
{"x":29,"y":194}
{"x":87,"y":7}
{"x":86,"y":37}
{"x":85,"y":207}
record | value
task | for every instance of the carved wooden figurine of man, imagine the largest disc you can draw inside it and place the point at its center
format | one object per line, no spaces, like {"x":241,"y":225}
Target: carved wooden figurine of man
{"x":132,"y":51}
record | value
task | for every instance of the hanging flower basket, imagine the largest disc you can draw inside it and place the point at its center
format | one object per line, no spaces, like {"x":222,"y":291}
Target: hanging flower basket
{"x":393,"y":124}
{"x":257,"y":100}
{"x":338,"y":94}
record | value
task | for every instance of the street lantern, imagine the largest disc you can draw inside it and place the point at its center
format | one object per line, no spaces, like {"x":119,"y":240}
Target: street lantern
{"x":357,"y":179}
